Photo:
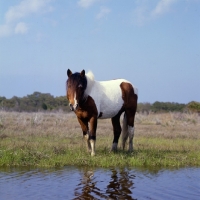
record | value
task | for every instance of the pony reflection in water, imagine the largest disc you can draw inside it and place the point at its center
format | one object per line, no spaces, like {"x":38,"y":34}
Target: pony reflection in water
{"x":92,"y":100}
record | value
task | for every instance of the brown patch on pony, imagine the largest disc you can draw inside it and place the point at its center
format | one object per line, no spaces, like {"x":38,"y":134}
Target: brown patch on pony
{"x":87,"y":109}
{"x":130,"y":102}
{"x":128,"y":94}
{"x":87,"y":112}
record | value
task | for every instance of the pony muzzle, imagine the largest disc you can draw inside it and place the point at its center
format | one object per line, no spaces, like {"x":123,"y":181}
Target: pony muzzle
{"x":73,"y":107}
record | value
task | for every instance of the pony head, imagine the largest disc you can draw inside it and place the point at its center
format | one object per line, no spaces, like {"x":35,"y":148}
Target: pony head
{"x":76,"y":85}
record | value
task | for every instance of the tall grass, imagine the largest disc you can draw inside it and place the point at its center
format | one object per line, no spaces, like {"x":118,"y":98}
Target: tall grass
{"x":55,"y":139}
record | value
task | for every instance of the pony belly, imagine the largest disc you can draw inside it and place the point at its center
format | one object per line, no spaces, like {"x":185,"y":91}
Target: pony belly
{"x":110,"y":110}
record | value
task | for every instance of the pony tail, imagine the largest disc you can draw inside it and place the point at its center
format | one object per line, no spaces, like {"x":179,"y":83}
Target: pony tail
{"x":124,"y":131}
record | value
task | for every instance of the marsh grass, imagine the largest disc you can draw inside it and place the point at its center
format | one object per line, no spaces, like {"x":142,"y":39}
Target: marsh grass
{"x":55,"y":140}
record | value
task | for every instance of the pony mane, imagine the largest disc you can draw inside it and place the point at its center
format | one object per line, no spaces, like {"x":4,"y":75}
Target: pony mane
{"x":90,"y":82}
{"x":90,"y":76}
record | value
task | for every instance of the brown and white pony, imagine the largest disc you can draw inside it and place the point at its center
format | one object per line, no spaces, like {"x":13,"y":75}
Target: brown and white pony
{"x":92,"y":100}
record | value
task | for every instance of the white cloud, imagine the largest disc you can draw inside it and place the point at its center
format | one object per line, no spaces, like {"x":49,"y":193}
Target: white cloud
{"x":103,"y":12}
{"x":86,"y":3}
{"x":21,"y":27}
{"x":25,"y":8}
{"x":20,"y":11}
{"x":144,"y":11}
{"x":162,"y":7}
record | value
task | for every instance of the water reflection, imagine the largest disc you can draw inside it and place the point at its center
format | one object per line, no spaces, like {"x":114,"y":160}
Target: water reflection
{"x":117,"y":184}
{"x":121,"y":184}
{"x":88,"y":183}
{"x":87,"y":189}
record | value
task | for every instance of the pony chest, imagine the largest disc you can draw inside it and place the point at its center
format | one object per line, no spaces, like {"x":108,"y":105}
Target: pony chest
{"x":88,"y":109}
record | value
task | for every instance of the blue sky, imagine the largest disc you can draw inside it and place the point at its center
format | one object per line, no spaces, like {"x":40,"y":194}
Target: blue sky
{"x":155,"y":44}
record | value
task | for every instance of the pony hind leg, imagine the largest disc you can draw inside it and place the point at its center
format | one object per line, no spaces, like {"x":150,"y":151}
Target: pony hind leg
{"x":130,"y":127}
{"x":130,"y":135}
{"x":124,"y":132}
{"x":130,"y":103}
{"x":116,"y":130}
{"x":127,"y":132}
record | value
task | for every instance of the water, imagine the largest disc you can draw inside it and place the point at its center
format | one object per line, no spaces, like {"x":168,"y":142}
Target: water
{"x":88,"y":183}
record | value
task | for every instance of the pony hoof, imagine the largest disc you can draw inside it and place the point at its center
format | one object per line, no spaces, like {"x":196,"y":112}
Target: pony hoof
{"x":92,"y":154}
{"x":114,"y":147}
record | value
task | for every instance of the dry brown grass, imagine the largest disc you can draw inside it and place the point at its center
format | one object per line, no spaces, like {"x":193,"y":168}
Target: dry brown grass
{"x":168,"y":125}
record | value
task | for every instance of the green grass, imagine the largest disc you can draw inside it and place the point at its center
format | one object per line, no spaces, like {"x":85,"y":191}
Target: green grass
{"x":55,"y":140}
{"x":48,"y":152}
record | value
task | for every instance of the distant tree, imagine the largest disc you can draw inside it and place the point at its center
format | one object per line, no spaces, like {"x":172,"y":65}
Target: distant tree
{"x":34,"y":98}
{"x":62,"y":103}
{"x":45,"y":101}
{"x":2,"y":99}
{"x":167,"y":107}
{"x":34,"y":102}
{"x":194,"y":106}
{"x":44,"y":106}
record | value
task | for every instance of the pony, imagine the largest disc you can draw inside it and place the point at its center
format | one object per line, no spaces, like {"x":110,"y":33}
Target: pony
{"x":91,"y":100}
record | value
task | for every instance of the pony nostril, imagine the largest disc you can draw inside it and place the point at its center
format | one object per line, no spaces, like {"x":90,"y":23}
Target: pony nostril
{"x":71,"y":106}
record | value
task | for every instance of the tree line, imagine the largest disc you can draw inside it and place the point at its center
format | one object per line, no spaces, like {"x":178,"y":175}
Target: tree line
{"x":157,"y":107}
{"x":34,"y":102}
{"x":46,"y":102}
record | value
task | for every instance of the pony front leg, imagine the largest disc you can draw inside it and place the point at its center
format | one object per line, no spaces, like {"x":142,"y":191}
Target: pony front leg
{"x":84,"y":127}
{"x":88,"y":145}
{"x":92,"y":134}
{"x":92,"y":143}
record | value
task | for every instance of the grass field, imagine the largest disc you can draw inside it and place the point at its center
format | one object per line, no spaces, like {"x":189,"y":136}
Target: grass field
{"x":55,"y":139}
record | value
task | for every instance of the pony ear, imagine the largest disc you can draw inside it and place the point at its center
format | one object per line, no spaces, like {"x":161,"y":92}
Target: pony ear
{"x":83,"y":73}
{"x":69,"y":73}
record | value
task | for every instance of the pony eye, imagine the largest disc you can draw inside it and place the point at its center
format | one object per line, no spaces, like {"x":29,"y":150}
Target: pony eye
{"x":80,"y":86}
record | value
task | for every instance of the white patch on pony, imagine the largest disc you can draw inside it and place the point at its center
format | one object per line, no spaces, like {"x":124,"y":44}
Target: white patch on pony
{"x":92,"y":143}
{"x":75,"y":101}
{"x":130,"y":131}
{"x":106,"y":94}
{"x":90,"y":83}
{"x":86,"y":137}
{"x":131,"y":135}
